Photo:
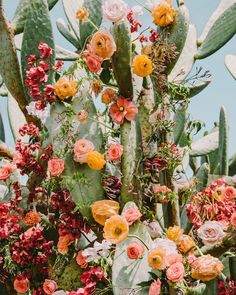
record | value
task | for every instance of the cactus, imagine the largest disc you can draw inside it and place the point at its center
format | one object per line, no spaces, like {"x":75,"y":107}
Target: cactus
{"x":223,"y":143}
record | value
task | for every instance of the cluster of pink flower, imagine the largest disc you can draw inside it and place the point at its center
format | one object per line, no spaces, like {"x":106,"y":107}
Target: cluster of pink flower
{"x":37,"y":77}
{"x":135,"y":25}
{"x":29,"y":129}
{"x":216,"y":202}
{"x":224,"y":290}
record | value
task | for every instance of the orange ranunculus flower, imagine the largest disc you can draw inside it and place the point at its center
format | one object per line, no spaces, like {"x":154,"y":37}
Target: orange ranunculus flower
{"x":82,"y":14}
{"x":65,"y":88}
{"x":206,"y":268}
{"x":185,"y":244}
{"x":103,"y":44}
{"x":82,"y":116}
{"x":108,"y":95}
{"x":95,"y":160}
{"x":116,"y":229}
{"x":104,"y":209}
{"x":142,"y":65}
{"x":163,"y":14}
{"x":63,"y":243}
{"x":157,"y":259}
{"x":174,"y":233}
{"x":96,"y":86}
{"x":31,"y":218}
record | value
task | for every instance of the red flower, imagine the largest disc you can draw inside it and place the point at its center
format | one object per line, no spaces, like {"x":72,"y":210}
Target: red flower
{"x":123,"y":109}
{"x":45,"y":50}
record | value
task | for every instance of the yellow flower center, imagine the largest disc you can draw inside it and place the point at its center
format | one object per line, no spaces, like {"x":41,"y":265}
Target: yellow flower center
{"x":118,"y":231}
{"x":121,"y":109}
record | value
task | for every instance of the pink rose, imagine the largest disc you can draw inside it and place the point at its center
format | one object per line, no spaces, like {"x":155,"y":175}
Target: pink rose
{"x":115,"y":10}
{"x":93,"y":61}
{"x":49,"y":287}
{"x":114,"y":152}
{"x":6,"y":171}
{"x":229,"y":193}
{"x":233,"y":220}
{"x":155,"y":288}
{"x":211,"y":232}
{"x":56,"y":166}
{"x":81,"y":148}
{"x":175,"y":272}
{"x":131,"y":215}
{"x":21,"y":284}
{"x":191,"y":258}
{"x":135,"y":250}
{"x":174,"y":258}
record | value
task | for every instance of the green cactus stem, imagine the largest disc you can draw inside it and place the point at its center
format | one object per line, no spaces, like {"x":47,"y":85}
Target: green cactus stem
{"x":223,"y":143}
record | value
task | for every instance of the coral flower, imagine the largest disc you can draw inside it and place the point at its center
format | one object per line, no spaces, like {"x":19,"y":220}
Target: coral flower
{"x":21,"y":284}
{"x":81,"y":260}
{"x":49,"y":287}
{"x":104,"y":209}
{"x":163,"y":14}
{"x":123,"y":109}
{"x":5,"y":172}
{"x":108,"y":96}
{"x":233,"y":220}
{"x":157,"y":258}
{"x":63,"y":243}
{"x":65,"y":88}
{"x":186,"y":244}
{"x":95,"y":160}
{"x":56,"y":166}
{"x":229,"y":193}
{"x":116,"y":229}
{"x":155,"y":288}
{"x":135,"y":250}
{"x":94,"y":62}
{"x":103,"y":44}
{"x":82,"y":14}
{"x":174,"y":233}
{"x":175,"y":273}
{"x":142,"y":65}
{"x":114,"y":152}
{"x":32,"y":218}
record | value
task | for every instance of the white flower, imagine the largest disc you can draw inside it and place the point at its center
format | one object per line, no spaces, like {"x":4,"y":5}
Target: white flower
{"x":151,"y":4}
{"x":153,"y":229}
{"x":42,"y":115}
{"x":97,"y":251}
{"x":3,"y":191}
{"x":90,"y":254}
{"x":137,"y":11}
{"x":211,"y":233}
{"x":115,"y":10}
{"x":60,"y":292}
{"x":168,"y":245}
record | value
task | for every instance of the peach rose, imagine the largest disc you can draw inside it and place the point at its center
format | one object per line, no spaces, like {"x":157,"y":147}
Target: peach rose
{"x":63,"y":243}
{"x":131,"y":215}
{"x":49,"y":287}
{"x":174,"y":258}
{"x":56,"y":166}
{"x":21,"y":284}
{"x":175,"y":272}
{"x":229,"y":193}
{"x":81,"y":260}
{"x":6,"y":171}
{"x":103,"y":44}
{"x":104,"y":209}
{"x":174,"y":233}
{"x":81,"y":148}
{"x":155,"y":288}
{"x":233,"y":220}
{"x":114,"y":152}
{"x":186,"y":244}
{"x":135,"y":250}
{"x":211,"y":233}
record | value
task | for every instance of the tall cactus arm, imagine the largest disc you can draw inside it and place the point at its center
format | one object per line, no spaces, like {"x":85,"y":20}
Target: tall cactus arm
{"x":223,"y":143}
{"x":230,"y":62}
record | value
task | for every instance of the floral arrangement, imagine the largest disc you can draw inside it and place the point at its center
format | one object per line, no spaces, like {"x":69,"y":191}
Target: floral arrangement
{"x":110,"y":197}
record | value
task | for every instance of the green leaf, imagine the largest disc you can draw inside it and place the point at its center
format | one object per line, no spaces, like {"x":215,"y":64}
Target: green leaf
{"x":211,"y":287}
{"x":3,"y":91}
{"x":20,"y":16}
{"x":95,"y":15}
{"x":2,"y":132}
{"x":232,"y":263}
{"x":223,"y":142}
{"x":66,"y":55}
{"x":180,"y":121}
{"x":196,"y":89}
{"x":127,"y":273}
{"x":205,"y":145}
{"x":230,"y":62}
{"x":232,"y":165}
{"x":105,"y":76}
{"x":67,"y":33}
{"x":223,"y":29}
{"x":38,"y":28}
{"x":186,"y":225}
{"x":197,"y":290}
{"x":202,"y":177}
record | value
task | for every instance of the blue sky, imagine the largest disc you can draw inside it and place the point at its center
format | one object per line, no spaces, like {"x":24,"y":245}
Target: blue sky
{"x":205,"y":106}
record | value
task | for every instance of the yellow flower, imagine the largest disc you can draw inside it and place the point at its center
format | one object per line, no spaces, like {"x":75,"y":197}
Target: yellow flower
{"x":186,"y":244}
{"x":116,"y":229}
{"x":95,"y":160}
{"x":218,"y":195}
{"x":82,"y":14}
{"x":174,"y":233}
{"x":157,"y":258}
{"x":163,"y":14}
{"x":104,"y":209}
{"x":142,"y":65}
{"x":65,"y":88}
{"x":147,"y":50}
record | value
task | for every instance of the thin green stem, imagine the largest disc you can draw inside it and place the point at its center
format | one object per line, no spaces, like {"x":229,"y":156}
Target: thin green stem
{"x":199,"y":250}
{"x":137,"y":237}
{"x":99,"y":122}
{"x":93,"y":24}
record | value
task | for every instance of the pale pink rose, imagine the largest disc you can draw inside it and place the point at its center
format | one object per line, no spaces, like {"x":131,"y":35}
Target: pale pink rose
{"x":229,"y":193}
{"x":166,"y":244}
{"x":115,"y":10}
{"x":233,"y":220}
{"x":56,"y":166}
{"x":211,"y":233}
{"x":21,"y":284}
{"x":175,"y":272}
{"x":81,"y":148}
{"x":49,"y":287}
{"x":135,"y":250}
{"x":173,"y":258}
{"x":6,"y":171}
{"x":153,"y":229}
{"x":131,"y":215}
{"x":155,"y":288}
{"x":114,"y":152}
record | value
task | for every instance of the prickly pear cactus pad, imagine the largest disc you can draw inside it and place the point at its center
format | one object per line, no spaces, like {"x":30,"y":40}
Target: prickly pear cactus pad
{"x":110,"y":186}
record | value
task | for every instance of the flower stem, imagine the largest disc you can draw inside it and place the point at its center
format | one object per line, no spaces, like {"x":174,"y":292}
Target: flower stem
{"x":199,"y":250}
{"x":93,"y":24}
{"x":137,"y":237}
{"x":99,"y":122}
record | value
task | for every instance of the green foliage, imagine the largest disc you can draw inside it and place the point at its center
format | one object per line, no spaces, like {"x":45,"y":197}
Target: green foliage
{"x":180,"y":121}
{"x":2,"y":131}
{"x":223,"y":143}
{"x":67,"y":33}
{"x":202,"y":177}
{"x":66,"y":55}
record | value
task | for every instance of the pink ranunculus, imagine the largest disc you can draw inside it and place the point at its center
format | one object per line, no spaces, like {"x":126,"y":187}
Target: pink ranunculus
{"x":155,"y":288}
{"x":131,"y":215}
{"x":49,"y":287}
{"x":175,"y":272}
{"x":93,"y":61}
{"x":115,"y":10}
{"x":114,"y":152}
{"x":122,"y":109}
{"x":233,"y":220}
{"x":6,"y":171}
{"x":211,"y":233}
{"x":56,"y":166}
{"x":81,"y":148}
{"x":21,"y":284}
{"x":229,"y":193}
{"x":135,"y":250}
{"x":173,"y":258}
{"x":81,"y":260}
